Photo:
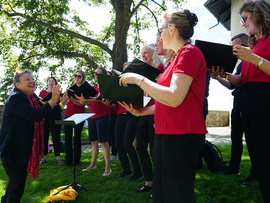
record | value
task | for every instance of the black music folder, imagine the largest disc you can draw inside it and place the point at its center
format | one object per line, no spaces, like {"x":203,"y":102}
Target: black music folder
{"x":144,"y":69}
{"x":110,"y":89}
{"x":217,"y":55}
{"x":86,"y":89}
{"x":48,"y":97}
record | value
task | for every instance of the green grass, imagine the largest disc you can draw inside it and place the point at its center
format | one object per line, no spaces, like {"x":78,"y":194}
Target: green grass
{"x":209,"y":187}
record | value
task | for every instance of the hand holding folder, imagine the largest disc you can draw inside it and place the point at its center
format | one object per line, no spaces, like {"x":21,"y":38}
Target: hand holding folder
{"x":110,"y":89}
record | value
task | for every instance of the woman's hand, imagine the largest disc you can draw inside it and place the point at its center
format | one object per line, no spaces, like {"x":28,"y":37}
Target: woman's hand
{"x":81,"y":98}
{"x":56,"y":91}
{"x":214,"y":76}
{"x":107,"y":102}
{"x":243,"y":53}
{"x":129,"y":78}
{"x":64,"y":98}
{"x":130,"y":108}
{"x":217,"y":72}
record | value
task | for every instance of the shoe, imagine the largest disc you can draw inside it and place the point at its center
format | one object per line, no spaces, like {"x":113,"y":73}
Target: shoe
{"x":248,"y":181}
{"x":43,"y":161}
{"x":113,"y":158}
{"x":101,"y":157}
{"x":229,"y":171}
{"x":123,"y":174}
{"x":134,"y":178}
{"x":145,"y":188}
{"x":86,"y":169}
{"x":108,"y":173}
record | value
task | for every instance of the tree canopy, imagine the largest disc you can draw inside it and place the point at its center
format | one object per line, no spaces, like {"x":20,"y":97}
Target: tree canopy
{"x":45,"y":34}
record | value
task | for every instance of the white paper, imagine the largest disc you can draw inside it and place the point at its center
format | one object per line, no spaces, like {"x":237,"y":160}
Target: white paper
{"x":79,"y":117}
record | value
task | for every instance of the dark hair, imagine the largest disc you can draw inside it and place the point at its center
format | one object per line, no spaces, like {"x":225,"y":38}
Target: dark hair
{"x":18,"y":74}
{"x":260,"y":16}
{"x":53,"y":79}
{"x":184,"y":22}
{"x":104,"y":71}
{"x":242,"y":36}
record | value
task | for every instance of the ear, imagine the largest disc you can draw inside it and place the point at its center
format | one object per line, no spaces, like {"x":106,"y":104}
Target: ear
{"x":17,"y":85}
{"x":172,"y":29}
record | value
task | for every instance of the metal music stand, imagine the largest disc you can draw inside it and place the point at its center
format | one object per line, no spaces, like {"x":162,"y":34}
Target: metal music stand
{"x":74,"y":120}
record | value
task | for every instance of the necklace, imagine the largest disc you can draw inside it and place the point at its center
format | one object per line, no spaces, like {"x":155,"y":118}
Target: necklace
{"x":175,"y":54}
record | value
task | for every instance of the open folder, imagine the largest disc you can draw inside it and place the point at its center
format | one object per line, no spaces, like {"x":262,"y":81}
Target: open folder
{"x":48,"y":97}
{"x":144,"y":69}
{"x":86,"y":89}
{"x":110,"y":89}
{"x":217,"y":55}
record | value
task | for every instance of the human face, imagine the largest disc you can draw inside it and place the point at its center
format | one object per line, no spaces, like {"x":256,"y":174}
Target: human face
{"x":78,"y":78}
{"x":247,"y":22}
{"x":165,"y":36}
{"x":159,"y":46}
{"x":26,"y":84}
{"x":51,"y":83}
{"x":97,"y":71}
{"x":236,"y":42}
{"x":147,"y":55}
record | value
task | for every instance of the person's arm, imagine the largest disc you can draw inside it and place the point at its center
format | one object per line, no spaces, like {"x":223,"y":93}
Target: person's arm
{"x":150,"y":110}
{"x":55,"y":95}
{"x":225,"y":83}
{"x":246,"y":54}
{"x":171,"y":96}
{"x":234,"y":79}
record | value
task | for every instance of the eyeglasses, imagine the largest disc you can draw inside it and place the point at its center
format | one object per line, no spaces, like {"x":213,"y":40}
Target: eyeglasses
{"x":95,"y":73}
{"x":243,"y":20}
{"x":78,"y":76}
{"x":160,"y":29}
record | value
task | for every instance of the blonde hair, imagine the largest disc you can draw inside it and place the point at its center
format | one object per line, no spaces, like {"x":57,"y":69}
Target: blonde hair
{"x":156,"y":58}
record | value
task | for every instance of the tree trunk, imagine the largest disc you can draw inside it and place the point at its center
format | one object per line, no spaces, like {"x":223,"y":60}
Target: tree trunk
{"x":122,"y":24}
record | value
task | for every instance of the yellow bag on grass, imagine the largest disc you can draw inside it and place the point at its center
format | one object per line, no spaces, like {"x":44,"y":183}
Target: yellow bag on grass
{"x":64,"y":195}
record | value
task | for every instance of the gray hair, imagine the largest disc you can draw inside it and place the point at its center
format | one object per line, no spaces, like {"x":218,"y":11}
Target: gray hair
{"x":18,"y":74}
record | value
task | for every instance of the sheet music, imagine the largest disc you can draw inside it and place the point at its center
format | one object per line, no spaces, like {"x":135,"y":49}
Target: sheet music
{"x":79,"y":117}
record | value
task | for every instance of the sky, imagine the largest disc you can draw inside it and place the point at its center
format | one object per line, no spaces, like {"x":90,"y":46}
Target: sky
{"x":219,"y":97}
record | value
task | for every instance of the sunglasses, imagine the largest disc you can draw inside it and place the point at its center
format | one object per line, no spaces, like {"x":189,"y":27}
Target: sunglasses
{"x":78,"y":76}
{"x":243,"y":19}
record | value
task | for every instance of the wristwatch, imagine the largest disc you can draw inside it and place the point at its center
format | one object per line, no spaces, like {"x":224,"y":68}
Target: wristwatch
{"x":260,"y":62}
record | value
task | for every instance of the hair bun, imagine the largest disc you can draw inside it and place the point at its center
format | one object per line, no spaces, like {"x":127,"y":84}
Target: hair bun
{"x":193,"y":18}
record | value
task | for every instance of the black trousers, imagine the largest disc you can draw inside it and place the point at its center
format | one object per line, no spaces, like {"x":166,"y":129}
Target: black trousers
{"x":145,"y":136}
{"x":255,"y":108}
{"x":17,"y":174}
{"x":236,"y":136}
{"x":175,"y":163}
{"x":49,"y":125}
{"x":77,"y":143}
{"x":125,"y":131}
{"x":111,"y":135}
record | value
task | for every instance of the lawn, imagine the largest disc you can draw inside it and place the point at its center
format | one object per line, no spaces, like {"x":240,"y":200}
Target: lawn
{"x":209,"y":187}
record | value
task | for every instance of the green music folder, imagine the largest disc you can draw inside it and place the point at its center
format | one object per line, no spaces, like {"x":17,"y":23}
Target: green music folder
{"x":110,"y":89}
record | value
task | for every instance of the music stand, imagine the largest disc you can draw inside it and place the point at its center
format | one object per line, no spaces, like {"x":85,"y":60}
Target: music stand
{"x":74,"y":120}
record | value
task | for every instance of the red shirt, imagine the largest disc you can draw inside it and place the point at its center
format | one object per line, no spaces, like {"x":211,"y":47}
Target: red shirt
{"x":251,"y":73}
{"x":73,"y":109}
{"x":99,"y":109}
{"x":187,"y":117}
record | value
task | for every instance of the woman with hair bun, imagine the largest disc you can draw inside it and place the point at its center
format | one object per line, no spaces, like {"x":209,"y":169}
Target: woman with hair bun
{"x":178,"y":111}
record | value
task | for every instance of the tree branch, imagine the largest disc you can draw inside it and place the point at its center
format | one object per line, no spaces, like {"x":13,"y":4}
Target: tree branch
{"x":151,"y":13}
{"x":68,"y":32}
{"x":159,"y":5}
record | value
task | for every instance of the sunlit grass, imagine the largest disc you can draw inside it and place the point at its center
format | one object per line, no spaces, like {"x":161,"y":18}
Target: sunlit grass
{"x":209,"y":187}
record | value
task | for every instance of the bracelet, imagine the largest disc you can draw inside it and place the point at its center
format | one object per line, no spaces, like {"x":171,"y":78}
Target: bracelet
{"x":227,"y":76}
{"x":140,"y":81}
{"x":260,"y":62}
{"x":61,"y":105}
